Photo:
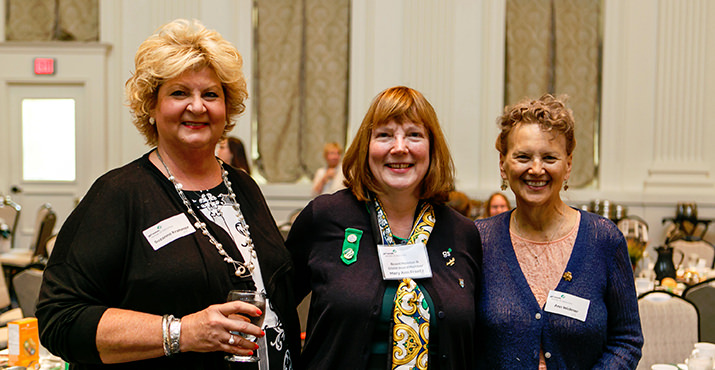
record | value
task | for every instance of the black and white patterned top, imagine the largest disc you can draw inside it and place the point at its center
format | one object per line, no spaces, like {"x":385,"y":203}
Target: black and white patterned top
{"x":216,"y":205}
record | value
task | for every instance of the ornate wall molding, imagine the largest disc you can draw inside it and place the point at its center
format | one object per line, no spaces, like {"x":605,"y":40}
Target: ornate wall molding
{"x":682,"y":154}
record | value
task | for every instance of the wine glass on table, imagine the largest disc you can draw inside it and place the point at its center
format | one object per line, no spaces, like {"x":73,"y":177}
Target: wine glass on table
{"x":257,"y":299}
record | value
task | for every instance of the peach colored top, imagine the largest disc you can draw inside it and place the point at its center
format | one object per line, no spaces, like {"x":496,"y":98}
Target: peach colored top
{"x":543,"y":264}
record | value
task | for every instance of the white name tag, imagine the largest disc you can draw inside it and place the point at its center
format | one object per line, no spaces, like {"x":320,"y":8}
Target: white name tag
{"x":404,"y":261}
{"x":168,"y":230}
{"x":567,"y":305}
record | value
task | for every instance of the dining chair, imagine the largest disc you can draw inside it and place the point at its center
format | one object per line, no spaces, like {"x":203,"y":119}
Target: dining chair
{"x":22,"y":258}
{"x":19,"y":259}
{"x":702,"y":295}
{"x":44,"y":233}
{"x":8,"y":312}
{"x":670,"y":328}
{"x":10,"y":215}
{"x":696,"y":246}
{"x":27,"y":287}
{"x":50,"y":245}
{"x":284,"y":228}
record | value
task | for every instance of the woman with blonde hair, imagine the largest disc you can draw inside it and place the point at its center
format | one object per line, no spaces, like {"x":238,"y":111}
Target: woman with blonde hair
{"x":142,"y":268}
{"x":329,"y":179}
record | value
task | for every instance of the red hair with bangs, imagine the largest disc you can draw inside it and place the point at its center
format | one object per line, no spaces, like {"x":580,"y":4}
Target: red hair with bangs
{"x":400,"y":104}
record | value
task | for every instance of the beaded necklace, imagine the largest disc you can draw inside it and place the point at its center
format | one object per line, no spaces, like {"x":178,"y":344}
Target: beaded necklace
{"x":242,"y":269}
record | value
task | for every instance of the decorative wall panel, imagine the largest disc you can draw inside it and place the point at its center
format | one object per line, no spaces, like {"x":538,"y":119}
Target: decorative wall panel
{"x":680,"y":147}
{"x":428,"y":46}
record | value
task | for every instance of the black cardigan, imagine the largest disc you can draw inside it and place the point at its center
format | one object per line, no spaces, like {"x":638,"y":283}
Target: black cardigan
{"x":347,"y":299}
{"x":101,"y":259}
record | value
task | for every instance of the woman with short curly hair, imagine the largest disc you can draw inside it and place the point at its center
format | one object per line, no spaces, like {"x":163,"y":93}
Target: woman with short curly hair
{"x":557,"y":284}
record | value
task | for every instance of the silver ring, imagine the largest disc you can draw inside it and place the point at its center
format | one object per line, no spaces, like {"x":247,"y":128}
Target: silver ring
{"x":231,"y":341}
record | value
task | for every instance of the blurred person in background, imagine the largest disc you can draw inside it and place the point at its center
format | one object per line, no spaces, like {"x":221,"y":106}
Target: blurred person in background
{"x":460,"y":202}
{"x":496,"y":204}
{"x":329,"y":179}
{"x":232,"y":152}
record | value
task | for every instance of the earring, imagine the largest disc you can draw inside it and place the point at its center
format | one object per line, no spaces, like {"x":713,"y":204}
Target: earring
{"x":152,"y":121}
{"x":566,"y":185}
{"x":504,"y":184}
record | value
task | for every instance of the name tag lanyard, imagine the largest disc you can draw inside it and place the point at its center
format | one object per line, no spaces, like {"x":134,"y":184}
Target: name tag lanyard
{"x":399,"y":262}
{"x":376,"y":234}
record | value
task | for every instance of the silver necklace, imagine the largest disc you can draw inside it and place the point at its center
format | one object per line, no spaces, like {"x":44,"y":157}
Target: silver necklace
{"x":548,"y":243}
{"x":242,"y":269}
{"x":536,"y":256}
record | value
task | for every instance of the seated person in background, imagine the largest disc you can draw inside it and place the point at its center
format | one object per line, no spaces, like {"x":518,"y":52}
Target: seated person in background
{"x":231,"y":151}
{"x":460,"y":202}
{"x":475,"y":209}
{"x":496,"y":204}
{"x":329,"y":179}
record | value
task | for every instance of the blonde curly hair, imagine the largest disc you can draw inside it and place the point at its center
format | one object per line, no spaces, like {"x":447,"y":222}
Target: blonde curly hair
{"x":177,"y":47}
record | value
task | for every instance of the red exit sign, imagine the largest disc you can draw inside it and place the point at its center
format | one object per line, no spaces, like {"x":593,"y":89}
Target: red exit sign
{"x":44,"y":66}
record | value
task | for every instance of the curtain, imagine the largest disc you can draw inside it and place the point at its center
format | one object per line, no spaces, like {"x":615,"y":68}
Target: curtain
{"x":30,"y":20}
{"x":301,"y":84}
{"x":554,"y":46}
{"x":79,"y":19}
{"x":52,"y":20}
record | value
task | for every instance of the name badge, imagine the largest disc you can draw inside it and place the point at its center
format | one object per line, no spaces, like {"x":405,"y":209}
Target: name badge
{"x":404,"y":261}
{"x":567,"y":305}
{"x":168,"y":230}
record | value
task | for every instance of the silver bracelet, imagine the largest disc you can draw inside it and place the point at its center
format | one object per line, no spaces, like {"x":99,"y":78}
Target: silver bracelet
{"x":174,"y":335}
{"x":165,"y":334}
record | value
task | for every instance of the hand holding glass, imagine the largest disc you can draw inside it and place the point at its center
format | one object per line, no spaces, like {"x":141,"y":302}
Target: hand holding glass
{"x":257,"y":299}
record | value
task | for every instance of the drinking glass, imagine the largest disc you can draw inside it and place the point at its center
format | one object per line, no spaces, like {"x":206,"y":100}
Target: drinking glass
{"x":257,"y":299}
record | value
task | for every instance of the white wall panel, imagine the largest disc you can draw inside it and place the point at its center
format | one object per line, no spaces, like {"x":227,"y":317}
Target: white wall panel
{"x":428,"y":45}
{"x":682,"y":157}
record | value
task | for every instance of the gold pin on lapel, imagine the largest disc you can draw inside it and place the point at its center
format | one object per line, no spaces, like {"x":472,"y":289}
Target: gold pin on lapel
{"x":568,"y":276}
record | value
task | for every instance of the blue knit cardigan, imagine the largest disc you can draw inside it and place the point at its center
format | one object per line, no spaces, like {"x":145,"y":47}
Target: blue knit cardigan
{"x":515,"y":328}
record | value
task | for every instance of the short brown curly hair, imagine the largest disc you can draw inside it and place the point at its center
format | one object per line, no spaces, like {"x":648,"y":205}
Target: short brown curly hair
{"x":177,"y":47}
{"x":548,"y":112}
